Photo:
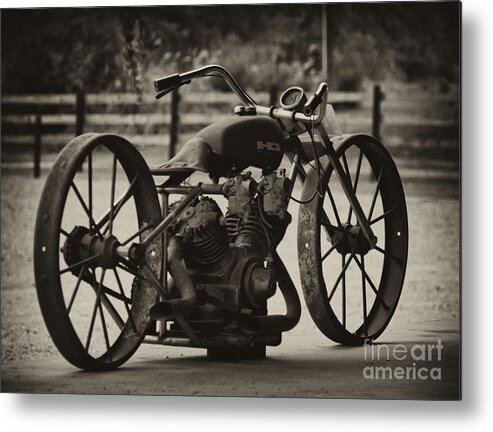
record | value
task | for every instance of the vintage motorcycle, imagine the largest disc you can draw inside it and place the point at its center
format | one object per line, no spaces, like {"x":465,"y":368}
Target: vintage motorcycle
{"x":136,"y":254}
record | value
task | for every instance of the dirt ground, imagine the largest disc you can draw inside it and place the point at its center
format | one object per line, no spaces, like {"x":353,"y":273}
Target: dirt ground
{"x":306,"y":364}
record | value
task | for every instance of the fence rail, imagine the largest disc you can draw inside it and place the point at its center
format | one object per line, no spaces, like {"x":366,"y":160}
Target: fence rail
{"x":51,"y":120}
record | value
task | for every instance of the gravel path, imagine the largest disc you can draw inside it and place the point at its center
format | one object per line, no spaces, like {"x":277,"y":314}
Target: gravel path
{"x":430,"y":297}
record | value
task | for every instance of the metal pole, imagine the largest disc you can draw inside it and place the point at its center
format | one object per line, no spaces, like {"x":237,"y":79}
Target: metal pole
{"x":346,"y":185}
{"x":173,"y":129}
{"x":37,"y":145}
{"x":377,"y":112}
{"x":182,"y":205}
{"x":327,"y":42}
{"x":164,"y":272}
{"x":273,"y":95}
{"x":80,"y":108}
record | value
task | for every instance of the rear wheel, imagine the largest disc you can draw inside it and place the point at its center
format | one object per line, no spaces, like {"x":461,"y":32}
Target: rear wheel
{"x":352,"y":289}
{"x":95,"y":304}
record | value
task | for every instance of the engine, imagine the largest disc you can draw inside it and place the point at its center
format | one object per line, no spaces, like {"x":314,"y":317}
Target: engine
{"x":230,"y":256}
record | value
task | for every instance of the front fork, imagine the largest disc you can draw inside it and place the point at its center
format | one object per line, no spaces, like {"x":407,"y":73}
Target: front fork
{"x":298,"y":171}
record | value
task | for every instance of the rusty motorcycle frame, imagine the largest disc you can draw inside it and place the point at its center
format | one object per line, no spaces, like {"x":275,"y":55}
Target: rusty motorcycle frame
{"x":187,"y":274}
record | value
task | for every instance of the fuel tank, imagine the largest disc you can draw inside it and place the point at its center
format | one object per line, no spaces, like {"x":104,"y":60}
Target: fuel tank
{"x":232,"y":145}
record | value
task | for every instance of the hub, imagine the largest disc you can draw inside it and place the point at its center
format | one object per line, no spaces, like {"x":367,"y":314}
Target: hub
{"x":82,"y":245}
{"x":351,"y":239}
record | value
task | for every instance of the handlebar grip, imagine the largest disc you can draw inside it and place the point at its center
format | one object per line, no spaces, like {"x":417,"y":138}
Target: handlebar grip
{"x":168,"y":82}
{"x":315,"y":99}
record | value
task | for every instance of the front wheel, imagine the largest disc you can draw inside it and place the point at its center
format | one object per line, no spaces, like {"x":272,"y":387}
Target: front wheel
{"x":351,"y":288}
{"x":95,"y":303}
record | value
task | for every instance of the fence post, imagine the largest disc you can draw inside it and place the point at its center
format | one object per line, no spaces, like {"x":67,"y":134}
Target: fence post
{"x":175,"y":118}
{"x":378,"y":96}
{"x":37,"y":145}
{"x":80,"y":108}
{"x":327,"y":46}
{"x":273,"y":91}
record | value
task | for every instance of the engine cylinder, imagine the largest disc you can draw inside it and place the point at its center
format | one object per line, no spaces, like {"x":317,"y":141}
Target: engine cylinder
{"x":249,"y":234}
{"x":206,"y":238}
{"x":209,"y":248}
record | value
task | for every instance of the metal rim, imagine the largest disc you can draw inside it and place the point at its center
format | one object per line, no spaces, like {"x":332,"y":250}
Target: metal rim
{"x":324,"y":281}
{"x":65,"y":277}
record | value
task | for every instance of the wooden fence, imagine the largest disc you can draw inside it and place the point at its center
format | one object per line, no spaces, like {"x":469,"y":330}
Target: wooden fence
{"x":33,"y":122}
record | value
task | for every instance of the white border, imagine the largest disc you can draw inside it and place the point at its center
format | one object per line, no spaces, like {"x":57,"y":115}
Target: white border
{"x":84,"y":413}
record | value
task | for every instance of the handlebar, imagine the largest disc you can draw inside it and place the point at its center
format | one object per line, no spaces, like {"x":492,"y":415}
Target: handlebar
{"x":168,"y":83}
{"x":281,"y":113}
{"x":315,"y":99}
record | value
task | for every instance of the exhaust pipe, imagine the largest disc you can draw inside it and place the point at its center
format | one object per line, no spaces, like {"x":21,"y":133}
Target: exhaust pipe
{"x":187,"y":301}
{"x":276,"y":323}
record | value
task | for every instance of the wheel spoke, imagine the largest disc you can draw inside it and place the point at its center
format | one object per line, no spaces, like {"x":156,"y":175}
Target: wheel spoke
{"x":152,"y":279}
{"x":348,"y":174}
{"x":344,"y":293}
{"x":358,"y":170}
{"x":363,"y":286}
{"x":76,"y":289}
{"x":84,"y":206}
{"x":105,"y":331}
{"x":375,"y":195}
{"x":107,"y":303}
{"x":343,"y":271}
{"x":370,"y":282}
{"x":324,"y":218}
{"x":355,"y":186}
{"x":334,"y":207}
{"x":384,"y":253}
{"x":329,"y":251}
{"x":126,"y":266}
{"x":84,"y":261}
{"x":379,"y":249}
{"x":346,"y":168}
{"x":120,"y":287}
{"x":379,"y":218}
{"x":112,"y":199}
{"x":65,"y":233}
{"x":117,"y":207}
{"x":129,"y":270}
{"x":139,"y":232}
{"x":89,"y":186}
{"x":329,"y":228}
{"x":69,"y":236}
{"x":95,"y":309}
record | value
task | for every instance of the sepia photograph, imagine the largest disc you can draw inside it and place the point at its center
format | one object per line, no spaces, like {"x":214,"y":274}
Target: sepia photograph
{"x":258,"y":200}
